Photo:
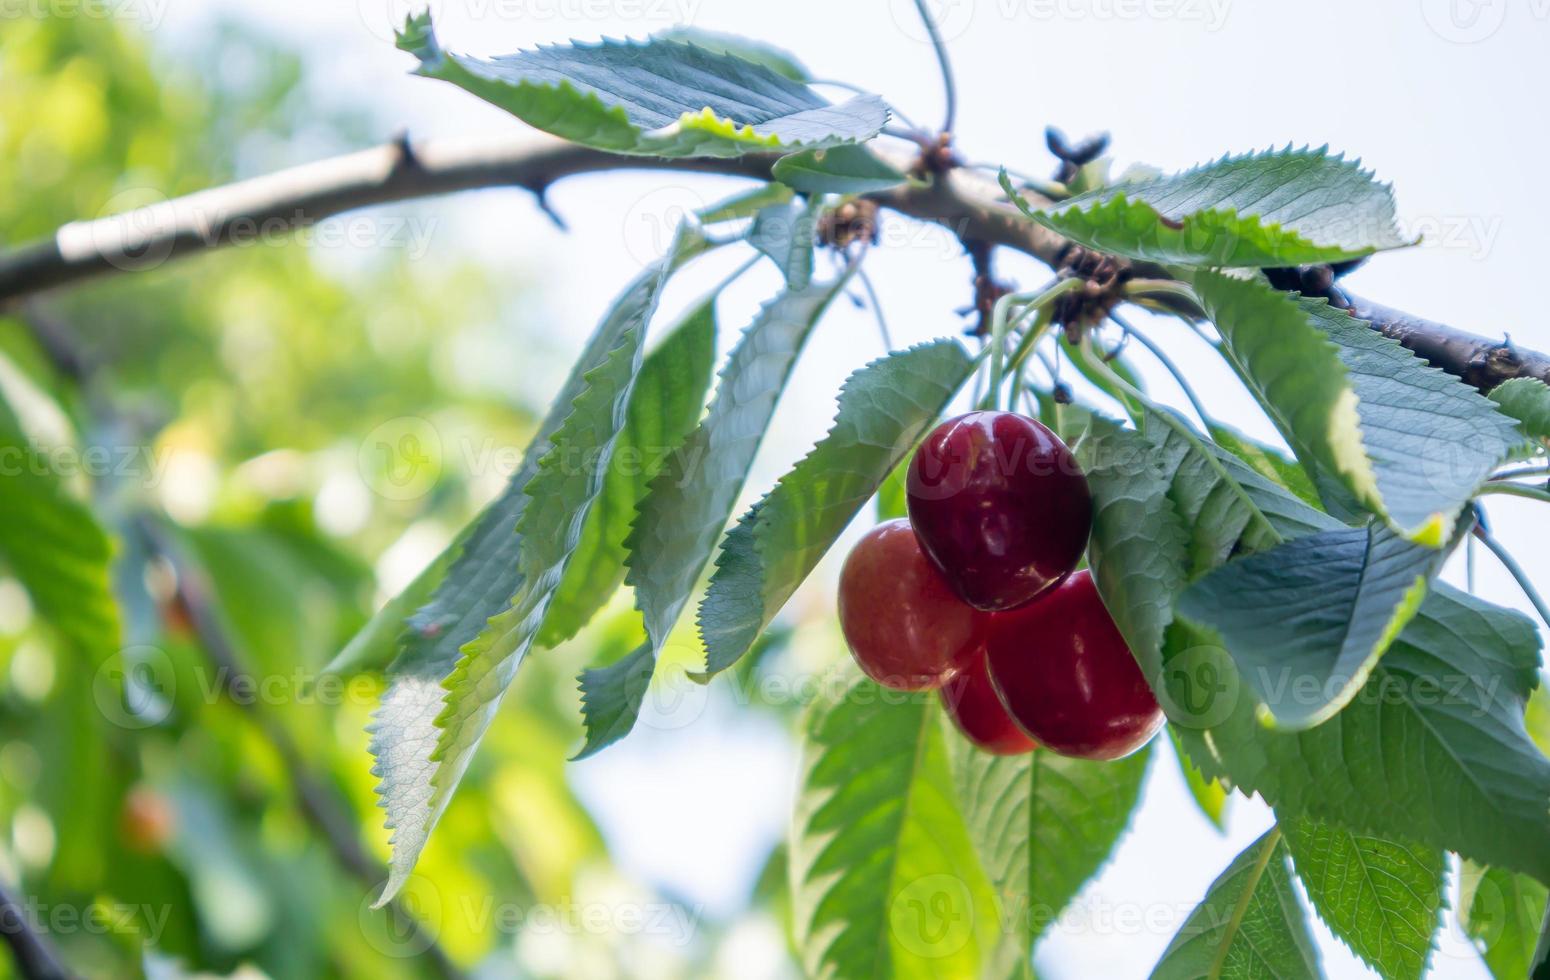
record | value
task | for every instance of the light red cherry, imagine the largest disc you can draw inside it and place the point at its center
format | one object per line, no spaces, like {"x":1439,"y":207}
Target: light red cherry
{"x":1064,"y":673}
{"x":904,"y":625}
{"x":1000,"y":506}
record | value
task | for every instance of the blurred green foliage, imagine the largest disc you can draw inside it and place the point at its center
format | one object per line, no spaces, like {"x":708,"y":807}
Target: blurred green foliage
{"x":147,"y":820}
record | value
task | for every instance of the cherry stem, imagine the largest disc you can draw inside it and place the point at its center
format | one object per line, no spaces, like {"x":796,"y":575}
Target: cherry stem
{"x":1146,"y":288}
{"x":877,"y":309}
{"x":1001,"y":323}
{"x":1173,"y":369}
{"x":1515,"y":570}
{"x":1522,"y":472}
{"x":1516,"y":490}
{"x":949,"y":88}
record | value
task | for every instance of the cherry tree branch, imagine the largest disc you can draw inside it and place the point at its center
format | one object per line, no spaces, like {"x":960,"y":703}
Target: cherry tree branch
{"x":967,"y":204}
{"x":32,"y":954}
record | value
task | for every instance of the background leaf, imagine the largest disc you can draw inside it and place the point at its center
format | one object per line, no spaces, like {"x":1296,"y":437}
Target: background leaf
{"x":1276,"y":208}
{"x":658,"y":97}
{"x":884,"y":879}
{"x":1383,"y":898}
{"x":1044,"y":825}
{"x":54,"y":546}
{"x":1502,"y":912}
{"x":884,"y":409}
{"x":1250,"y":925}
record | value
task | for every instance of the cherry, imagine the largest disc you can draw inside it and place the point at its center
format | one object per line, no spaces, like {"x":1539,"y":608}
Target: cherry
{"x":146,"y":820}
{"x":903,"y":623}
{"x":971,"y":701}
{"x":1000,"y":506}
{"x":1064,"y":673}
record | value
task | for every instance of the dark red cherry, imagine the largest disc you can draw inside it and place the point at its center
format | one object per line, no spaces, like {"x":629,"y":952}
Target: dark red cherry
{"x":1000,"y":506}
{"x":976,"y":709}
{"x":904,"y":626}
{"x":1064,"y":673}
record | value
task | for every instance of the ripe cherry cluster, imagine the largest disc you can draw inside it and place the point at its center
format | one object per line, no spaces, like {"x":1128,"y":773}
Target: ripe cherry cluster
{"x":977,"y":596}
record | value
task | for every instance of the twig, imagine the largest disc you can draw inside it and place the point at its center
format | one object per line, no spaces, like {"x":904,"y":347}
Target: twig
{"x":1515,"y":570}
{"x":949,"y":88}
{"x":965,"y":202}
{"x":34,"y":956}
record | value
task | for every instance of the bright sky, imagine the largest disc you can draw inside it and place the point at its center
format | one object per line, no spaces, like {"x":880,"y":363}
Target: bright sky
{"x":1441,"y":97}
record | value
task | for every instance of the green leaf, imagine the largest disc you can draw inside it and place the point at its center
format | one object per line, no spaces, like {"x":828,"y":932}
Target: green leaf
{"x":1501,"y":912}
{"x":745,"y":204}
{"x":1408,"y":441}
{"x":690,"y":501}
{"x":1044,"y":825}
{"x":1250,"y":925}
{"x":1528,"y":401}
{"x":658,"y":97}
{"x":1209,"y":794}
{"x":840,"y":170}
{"x":884,"y":879}
{"x":464,"y":646}
{"x":56,"y":549}
{"x":1138,"y":550}
{"x":375,"y":644}
{"x":1381,"y":897}
{"x":1277,"y":208}
{"x":786,"y":233}
{"x":884,"y":409}
{"x":1268,"y":463}
{"x":1306,"y":621}
{"x":665,"y":405}
{"x":776,"y":59}
{"x":1432,"y":749}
